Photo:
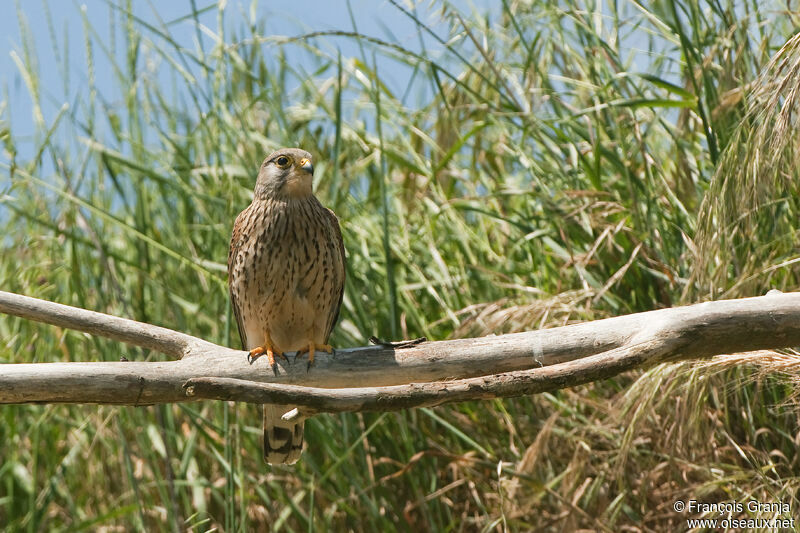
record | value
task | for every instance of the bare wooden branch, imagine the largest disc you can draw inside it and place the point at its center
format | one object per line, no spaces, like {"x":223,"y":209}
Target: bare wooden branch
{"x":315,"y":400}
{"x":131,"y":332}
{"x":581,"y":353}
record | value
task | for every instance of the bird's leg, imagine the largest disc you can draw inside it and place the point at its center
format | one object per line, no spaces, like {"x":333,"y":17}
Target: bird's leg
{"x":312,"y":347}
{"x":269,"y":349}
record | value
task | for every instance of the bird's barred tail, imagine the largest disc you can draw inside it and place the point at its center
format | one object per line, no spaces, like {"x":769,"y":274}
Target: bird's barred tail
{"x":283,"y":441}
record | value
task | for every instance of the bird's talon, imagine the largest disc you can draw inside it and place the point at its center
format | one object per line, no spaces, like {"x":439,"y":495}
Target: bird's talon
{"x":254,"y":354}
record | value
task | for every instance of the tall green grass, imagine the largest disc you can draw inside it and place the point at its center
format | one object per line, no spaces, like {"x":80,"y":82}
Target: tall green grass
{"x":535,"y":173}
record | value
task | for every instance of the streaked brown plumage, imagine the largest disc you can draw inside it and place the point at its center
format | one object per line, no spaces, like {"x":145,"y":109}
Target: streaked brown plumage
{"x":286,"y":270}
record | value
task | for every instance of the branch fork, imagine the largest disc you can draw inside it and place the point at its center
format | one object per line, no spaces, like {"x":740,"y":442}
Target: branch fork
{"x":392,"y":376}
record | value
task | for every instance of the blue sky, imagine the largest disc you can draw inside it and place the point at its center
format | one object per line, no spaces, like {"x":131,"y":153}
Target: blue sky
{"x":57,"y":40}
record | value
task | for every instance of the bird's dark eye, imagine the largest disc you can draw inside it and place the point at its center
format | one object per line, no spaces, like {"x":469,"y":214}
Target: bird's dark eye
{"x":283,"y":161}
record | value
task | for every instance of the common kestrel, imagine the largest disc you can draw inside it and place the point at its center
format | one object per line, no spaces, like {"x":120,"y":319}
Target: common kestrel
{"x":286,"y":270}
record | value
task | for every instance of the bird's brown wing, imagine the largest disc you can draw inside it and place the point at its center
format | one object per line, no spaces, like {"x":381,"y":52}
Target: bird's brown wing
{"x":334,"y":222}
{"x":236,"y":238}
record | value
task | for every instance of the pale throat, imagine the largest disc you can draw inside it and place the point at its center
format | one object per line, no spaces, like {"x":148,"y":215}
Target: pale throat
{"x":298,"y":186}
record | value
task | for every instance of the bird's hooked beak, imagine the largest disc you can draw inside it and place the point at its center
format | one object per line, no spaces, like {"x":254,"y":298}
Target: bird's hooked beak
{"x":306,"y":165}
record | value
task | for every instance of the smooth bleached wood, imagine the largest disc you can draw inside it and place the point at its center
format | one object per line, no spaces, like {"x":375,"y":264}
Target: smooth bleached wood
{"x":553,"y":358}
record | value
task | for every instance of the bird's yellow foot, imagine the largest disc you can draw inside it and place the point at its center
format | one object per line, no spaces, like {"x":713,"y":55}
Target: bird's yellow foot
{"x":312,"y":347}
{"x":270,"y":351}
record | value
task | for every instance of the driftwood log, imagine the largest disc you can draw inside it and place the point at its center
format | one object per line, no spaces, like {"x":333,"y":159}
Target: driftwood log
{"x":388,"y":378}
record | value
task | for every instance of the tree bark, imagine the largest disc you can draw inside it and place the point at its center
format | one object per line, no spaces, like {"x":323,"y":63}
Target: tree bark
{"x":385,"y":378}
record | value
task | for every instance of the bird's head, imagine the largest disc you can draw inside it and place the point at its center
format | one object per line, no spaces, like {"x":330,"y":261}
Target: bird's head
{"x":285,"y":173}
